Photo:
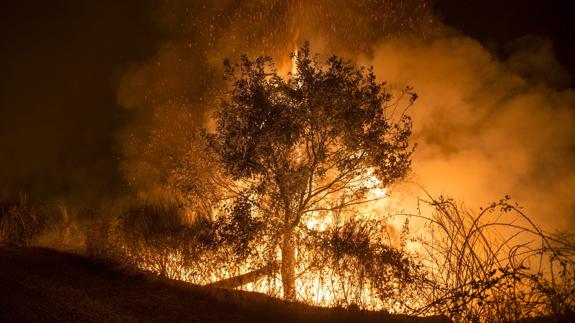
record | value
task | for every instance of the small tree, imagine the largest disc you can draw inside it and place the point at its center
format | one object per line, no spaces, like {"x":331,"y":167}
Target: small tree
{"x":311,"y":143}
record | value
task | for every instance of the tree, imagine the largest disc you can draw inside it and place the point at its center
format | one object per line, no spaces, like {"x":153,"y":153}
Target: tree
{"x":308,"y":144}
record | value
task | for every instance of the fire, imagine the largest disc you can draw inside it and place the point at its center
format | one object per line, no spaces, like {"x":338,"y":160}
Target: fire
{"x":321,"y":287}
{"x":319,"y":223}
{"x":294,"y":62}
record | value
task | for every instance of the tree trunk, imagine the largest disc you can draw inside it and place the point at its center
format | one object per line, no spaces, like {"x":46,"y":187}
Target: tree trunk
{"x":288,"y":265}
{"x":252,"y":276}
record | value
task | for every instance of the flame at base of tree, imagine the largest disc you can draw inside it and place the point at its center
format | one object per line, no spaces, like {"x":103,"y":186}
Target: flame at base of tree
{"x":340,"y":266}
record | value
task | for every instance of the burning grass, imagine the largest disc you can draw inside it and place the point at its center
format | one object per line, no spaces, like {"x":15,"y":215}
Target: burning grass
{"x":341,"y":266}
{"x":491,"y":265}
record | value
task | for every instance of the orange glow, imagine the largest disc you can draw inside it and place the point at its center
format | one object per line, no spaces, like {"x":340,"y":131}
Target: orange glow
{"x":294,"y":63}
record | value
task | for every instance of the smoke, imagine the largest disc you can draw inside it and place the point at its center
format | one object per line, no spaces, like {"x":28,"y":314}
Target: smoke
{"x":485,"y":127}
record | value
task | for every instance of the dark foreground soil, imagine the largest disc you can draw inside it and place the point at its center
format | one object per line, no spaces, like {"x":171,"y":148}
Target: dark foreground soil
{"x":44,"y":285}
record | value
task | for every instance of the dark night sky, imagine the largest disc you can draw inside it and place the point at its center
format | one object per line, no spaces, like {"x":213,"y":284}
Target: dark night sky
{"x":496,"y":23}
{"x":58,"y":60}
{"x":58,"y":111}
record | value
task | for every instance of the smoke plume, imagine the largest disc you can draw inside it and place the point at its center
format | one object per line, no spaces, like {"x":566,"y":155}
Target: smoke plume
{"x":485,"y":127}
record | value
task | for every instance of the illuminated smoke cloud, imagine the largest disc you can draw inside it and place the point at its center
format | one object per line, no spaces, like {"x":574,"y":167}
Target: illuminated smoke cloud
{"x":487,"y":128}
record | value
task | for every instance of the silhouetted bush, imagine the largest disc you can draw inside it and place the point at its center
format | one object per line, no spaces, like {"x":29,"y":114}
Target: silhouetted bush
{"x":494,"y":265}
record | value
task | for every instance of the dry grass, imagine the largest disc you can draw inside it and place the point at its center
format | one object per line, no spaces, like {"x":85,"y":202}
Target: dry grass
{"x":20,"y":222}
{"x":495,"y":265}
{"x":23,"y":223}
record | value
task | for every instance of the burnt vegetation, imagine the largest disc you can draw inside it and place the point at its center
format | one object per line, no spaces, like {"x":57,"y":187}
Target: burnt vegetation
{"x":276,"y":195}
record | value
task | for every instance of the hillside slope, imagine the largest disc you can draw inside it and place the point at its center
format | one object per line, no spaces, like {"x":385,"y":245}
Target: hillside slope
{"x":43,"y":285}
